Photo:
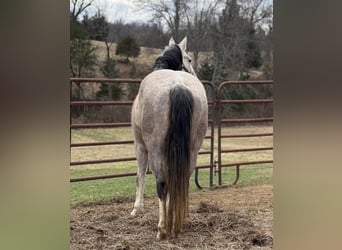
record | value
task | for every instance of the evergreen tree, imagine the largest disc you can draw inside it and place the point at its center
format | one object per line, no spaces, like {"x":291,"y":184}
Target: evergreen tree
{"x":96,"y":26}
{"x":82,"y":52}
{"x":128,"y":47}
{"x":77,"y":30}
{"x":253,"y":57}
{"x":206,"y":71}
{"x":112,"y":90}
{"x":82,"y":58}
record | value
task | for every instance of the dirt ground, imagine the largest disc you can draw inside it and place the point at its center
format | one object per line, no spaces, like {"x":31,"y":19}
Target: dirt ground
{"x":221,"y":218}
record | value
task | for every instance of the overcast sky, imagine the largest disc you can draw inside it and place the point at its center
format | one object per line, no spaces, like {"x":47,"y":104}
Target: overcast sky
{"x":122,"y":9}
{"x":119,"y":9}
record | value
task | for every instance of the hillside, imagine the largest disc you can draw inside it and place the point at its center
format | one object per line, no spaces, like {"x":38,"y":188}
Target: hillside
{"x":143,"y":63}
{"x":137,"y":68}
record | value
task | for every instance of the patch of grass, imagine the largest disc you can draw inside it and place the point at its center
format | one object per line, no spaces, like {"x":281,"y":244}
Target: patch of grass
{"x":251,"y":175}
{"x":101,"y":134}
{"x":101,"y":190}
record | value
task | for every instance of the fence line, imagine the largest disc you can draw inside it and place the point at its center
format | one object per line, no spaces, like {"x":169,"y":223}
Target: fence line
{"x":216,"y":119}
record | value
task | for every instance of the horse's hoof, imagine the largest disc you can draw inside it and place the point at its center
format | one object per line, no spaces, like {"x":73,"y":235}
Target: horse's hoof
{"x":134,"y":212}
{"x":161,"y":236}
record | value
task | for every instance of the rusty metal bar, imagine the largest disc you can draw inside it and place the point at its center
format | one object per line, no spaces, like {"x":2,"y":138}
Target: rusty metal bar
{"x":112,"y":160}
{"x":89,"y":178}
{"x":102,"y":161}
{"x":246,"y":135}
{"x":212,"y":148}
{"x":245,"y":150}
{"x":106,"y":80}
{"x":100,"y":103}
{"x":212,"y":104}
{"x":204,"y":152}
{"x":261,"y":82}
{"x":101,"y":177}
{"x":246,"y":163}
{"x":203,"y":166}
{"x":246,"y":120}
{"x":247,"y":101}
{"x":70,"y":114}
{"x":101,"y":125}
{"x":114,"y":80}
{"x":88,"y":144}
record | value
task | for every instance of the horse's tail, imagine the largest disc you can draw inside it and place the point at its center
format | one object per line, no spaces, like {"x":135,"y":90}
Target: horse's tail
{"x":178,"y":156}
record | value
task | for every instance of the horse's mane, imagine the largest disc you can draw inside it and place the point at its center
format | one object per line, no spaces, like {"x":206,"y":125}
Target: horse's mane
{"x":170,"y":59}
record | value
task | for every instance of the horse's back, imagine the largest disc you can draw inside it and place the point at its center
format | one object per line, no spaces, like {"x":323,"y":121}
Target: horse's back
{"x":159,"y":83}
{"x":151,"y":107}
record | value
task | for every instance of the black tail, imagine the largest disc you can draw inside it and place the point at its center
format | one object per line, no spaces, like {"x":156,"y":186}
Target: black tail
{"x":178,"y":156}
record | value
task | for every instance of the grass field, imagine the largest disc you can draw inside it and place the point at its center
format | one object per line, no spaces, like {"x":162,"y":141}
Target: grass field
{"x":99,"y":190}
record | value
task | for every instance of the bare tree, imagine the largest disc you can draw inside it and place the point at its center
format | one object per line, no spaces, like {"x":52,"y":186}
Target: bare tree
{"x":236,"y":45}
{"x":169,"y":11}
{"x":78,"y":6}
{"x":200,"y":15}
{"x":256,"y":11}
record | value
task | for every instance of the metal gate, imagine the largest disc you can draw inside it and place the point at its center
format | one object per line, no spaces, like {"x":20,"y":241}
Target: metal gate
{"x":215,"y":119}
{"x":221,"y":121}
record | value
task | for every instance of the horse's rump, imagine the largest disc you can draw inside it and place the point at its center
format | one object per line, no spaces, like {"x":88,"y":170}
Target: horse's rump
{"x":152,"y":105}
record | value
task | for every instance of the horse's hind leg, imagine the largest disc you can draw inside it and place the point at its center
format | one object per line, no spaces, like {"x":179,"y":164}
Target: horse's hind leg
{"x":141,"y":154}
{"x":162,"y":220}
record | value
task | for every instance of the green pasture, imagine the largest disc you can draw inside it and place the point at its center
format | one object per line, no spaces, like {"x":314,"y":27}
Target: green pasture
{"x":102,"y":190}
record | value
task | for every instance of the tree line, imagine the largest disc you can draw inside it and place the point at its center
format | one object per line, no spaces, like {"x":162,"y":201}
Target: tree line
{"x":237,"y":32}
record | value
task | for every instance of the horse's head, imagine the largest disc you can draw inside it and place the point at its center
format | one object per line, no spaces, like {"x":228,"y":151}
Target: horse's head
{"x":186,"y":59}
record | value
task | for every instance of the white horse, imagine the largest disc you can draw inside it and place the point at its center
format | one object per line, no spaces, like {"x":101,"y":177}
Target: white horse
{"x":169,"y":121}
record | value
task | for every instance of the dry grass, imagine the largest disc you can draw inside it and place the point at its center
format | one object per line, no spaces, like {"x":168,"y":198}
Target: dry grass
{"x":147,"y":55}
{"x":219,"y":218}
{"x":146,"y":59}
{"x":236,"y":218}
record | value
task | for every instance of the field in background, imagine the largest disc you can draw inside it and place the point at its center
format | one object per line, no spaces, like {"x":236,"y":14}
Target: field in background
{"x":101,"y":190}
{"x":146,"y":59}
{"x":144,"y":62}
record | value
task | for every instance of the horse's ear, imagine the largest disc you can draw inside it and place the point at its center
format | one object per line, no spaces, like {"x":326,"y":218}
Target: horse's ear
{"x":172,"y":41}
{"x":182,"y":44}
